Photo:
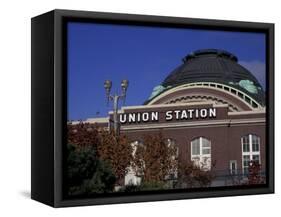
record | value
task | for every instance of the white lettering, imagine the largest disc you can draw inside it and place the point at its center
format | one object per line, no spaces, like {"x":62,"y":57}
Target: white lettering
{"x":169,"y":115}
{"x":196,"y":113}
{"x":190,"y":111}
{"x":177,"y":114}
{"x":132,"y":117}
{"x":139,"y":117}
{"x":122,"y":118}
{"x":203,"y":113}
{"x":145,"y":117}
{"x":212,"y":112}
{"x":184,"y":114}
{"x":154,"y":116}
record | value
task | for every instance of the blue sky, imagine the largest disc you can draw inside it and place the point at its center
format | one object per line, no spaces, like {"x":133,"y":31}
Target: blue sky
{"x":144,"y":56}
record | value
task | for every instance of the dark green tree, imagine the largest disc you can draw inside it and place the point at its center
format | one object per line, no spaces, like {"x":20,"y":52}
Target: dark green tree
{"x":86,"y":174}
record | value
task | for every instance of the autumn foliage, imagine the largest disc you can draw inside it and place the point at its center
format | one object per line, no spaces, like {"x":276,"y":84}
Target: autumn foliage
{"x":116,"y":150}
{"x":254,"y":176}
{"x":113,"y":149}
{"x":154,"y":158}
{"x":192,"y":175}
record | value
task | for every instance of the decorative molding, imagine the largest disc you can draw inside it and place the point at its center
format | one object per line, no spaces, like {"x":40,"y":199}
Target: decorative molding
{"x":214,"y":86}
{"x":213,"y":99}
{"x":209,"y":123}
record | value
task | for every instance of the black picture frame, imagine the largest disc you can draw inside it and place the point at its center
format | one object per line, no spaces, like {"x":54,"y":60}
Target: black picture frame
{"x":48,"y":37}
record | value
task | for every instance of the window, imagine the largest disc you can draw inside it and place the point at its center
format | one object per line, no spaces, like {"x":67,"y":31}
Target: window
{"x":250,"y":151}
{"x":256,"y":143}
{"x":233,"y":167}
{"x":246,"y":144}
{"x":248,"y":99}
{"x":201,"y":152}
{"x":255,"y":105}
{"x":256,"y":158}
{"x":233,"y":91}
{"x":226,"y":88}
{"x":246,"y":162}
{"x":240,"y":95}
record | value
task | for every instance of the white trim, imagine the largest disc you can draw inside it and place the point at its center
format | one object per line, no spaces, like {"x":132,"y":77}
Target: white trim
{"x":220,"y":105}
{"x":127,"y":108}
{"x":75,"y":122}
{"x":249,"y":120}
{"x":251,"y":152}
{"x":209,"y":123}
{"x":187,"y":127}
{"x":97,"y":120}
{"x":247,"y":112}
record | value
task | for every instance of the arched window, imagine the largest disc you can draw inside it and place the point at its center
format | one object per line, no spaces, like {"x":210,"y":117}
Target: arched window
{"x":201,"y":152}
{"x":250,"y":151}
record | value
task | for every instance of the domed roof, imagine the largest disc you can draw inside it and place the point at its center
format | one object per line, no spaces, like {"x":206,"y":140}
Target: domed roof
{"x":212,"y":65}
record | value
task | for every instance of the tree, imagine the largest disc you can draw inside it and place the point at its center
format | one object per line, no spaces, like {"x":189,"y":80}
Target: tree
{"x":83,"y":134}
{"x":191,"y":175}
{"x":113,"y":149}
{"x":254,"y":176}
{"x":86,"y":174}
{"x":154,"y":158}
{"x":116,"y":150}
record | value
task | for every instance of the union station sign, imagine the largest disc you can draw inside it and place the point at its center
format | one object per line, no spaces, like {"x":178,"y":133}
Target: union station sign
{"x":170,"y":115}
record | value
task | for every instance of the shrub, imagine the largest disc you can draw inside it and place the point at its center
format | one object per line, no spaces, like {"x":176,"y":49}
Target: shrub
{"x":145,"y":186}
{"x":254,"y":176}
{"x":86,"y":174}
{"x":192,"y":175}
{"x":152,"y":186}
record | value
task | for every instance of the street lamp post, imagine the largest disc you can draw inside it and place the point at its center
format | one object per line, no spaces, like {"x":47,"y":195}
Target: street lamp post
{"x":115,"y":98}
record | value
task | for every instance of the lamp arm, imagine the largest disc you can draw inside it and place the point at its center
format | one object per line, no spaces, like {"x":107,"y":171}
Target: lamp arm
{"x":123,"y":97}
{"x":110,"y":97}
